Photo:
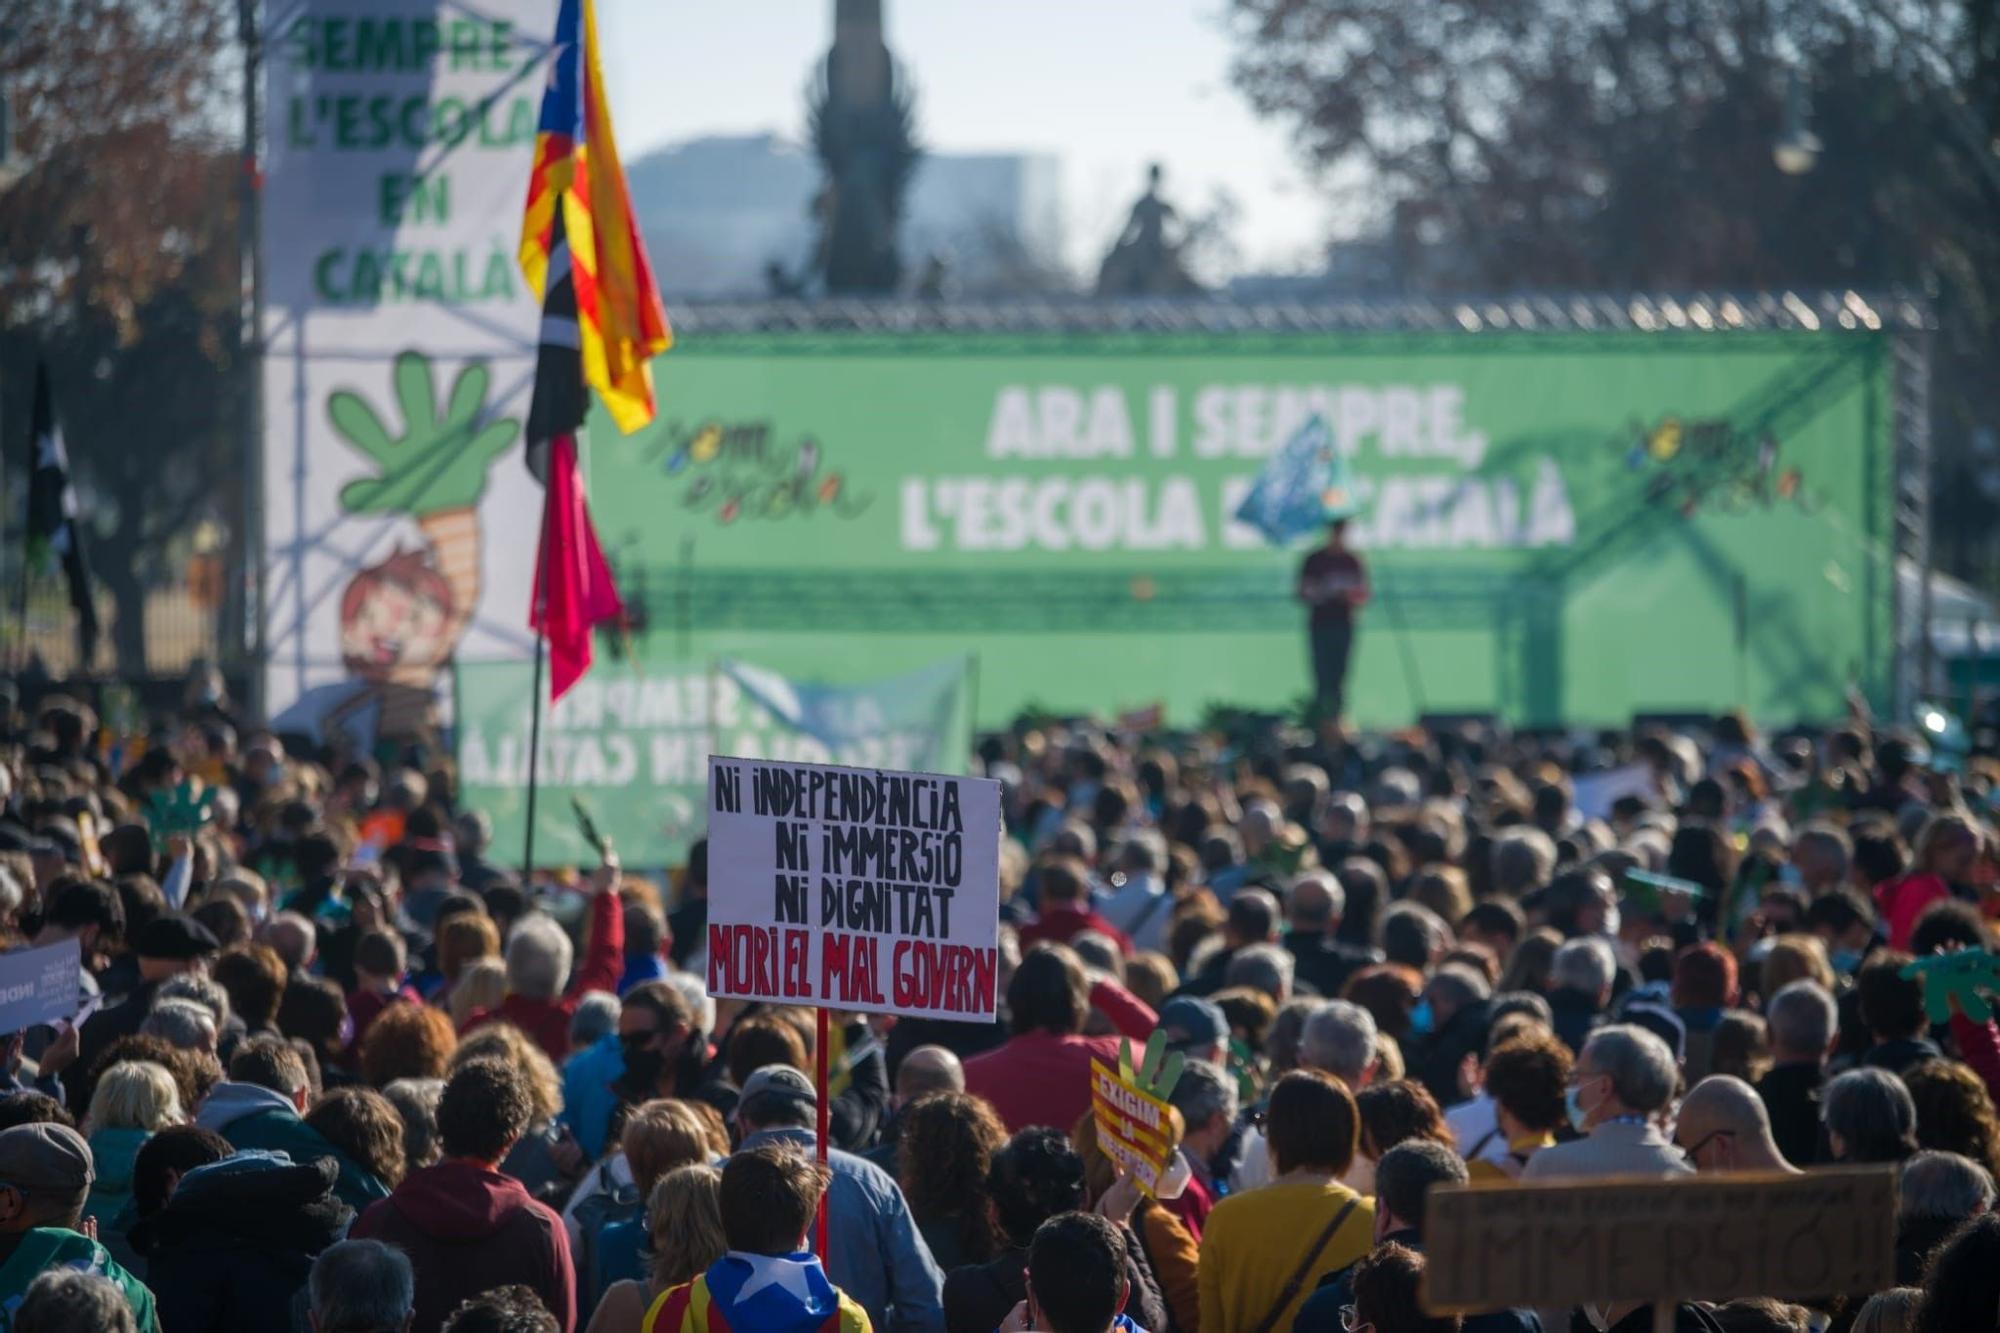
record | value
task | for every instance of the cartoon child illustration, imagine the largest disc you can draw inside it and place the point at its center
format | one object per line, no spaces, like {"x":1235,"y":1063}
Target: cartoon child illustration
{"x":402,"y":618}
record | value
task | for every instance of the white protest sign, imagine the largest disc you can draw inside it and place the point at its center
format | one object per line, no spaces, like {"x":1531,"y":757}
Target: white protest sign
{"x":39,"y":985}
{"x":854,"y":888}
{"x":1596,"y":793}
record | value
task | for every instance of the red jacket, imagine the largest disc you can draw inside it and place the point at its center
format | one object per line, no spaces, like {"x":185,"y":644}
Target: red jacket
{"x":1039,"y":1078}
{"x":547,"y":1021}
{"x":468,"y":1229}
{"x":1902,"y":901}
{"x":1060,"y":925}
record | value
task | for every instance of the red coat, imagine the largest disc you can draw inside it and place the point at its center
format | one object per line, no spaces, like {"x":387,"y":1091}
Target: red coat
{"x":1902,"y":901}
{"x":1039,"y":1078}
{"x":1060,"y":925}
{"x":547,"y":1021}
{"x":468,"y":1229}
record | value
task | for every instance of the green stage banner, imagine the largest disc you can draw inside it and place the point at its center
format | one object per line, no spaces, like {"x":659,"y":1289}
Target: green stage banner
{"x":631,"y":742}
{"x":1562,"y":528}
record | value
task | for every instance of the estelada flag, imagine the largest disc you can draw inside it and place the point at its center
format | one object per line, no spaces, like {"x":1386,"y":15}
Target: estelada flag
{"x":620,"y":321}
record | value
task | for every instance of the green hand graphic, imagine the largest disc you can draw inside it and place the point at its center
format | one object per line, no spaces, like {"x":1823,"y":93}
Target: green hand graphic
{"x":1158,"y":1073}
{"x":1965,"y":977}
{"x":185,"y":810}
{"x":439,"y":462}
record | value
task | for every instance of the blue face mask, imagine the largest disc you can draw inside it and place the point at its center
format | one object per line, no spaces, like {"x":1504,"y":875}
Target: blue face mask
{"x":1573,"y":1102}
{"x":1846,"y":961}
{"x":1422,"y":1021}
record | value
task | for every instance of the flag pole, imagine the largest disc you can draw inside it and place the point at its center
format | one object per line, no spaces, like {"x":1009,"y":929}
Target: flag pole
{"x":539,"y":617}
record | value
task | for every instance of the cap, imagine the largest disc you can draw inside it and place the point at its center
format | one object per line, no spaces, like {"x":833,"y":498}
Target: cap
{"x":1189,"y":1020}
{"x":45,"y":1159}
{"x":178,"y":937}
{"x":778,"y":1081}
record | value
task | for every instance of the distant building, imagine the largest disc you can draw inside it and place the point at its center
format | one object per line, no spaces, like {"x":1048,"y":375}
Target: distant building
{"x":716,"y":211}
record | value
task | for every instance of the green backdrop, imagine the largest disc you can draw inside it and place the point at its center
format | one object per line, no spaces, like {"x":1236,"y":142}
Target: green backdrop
{"x":1562,"y":528}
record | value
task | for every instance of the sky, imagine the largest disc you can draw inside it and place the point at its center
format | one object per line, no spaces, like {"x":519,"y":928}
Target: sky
{"x":1105,"y":85}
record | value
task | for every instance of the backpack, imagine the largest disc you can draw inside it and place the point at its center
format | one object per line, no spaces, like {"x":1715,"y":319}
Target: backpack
{"x":612,"y":1202}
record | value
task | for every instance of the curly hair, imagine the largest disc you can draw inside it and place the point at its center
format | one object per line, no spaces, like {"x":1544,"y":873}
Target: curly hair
{"x":195,"y":1072}
{"x":1396,"y":1112}
{"x":1036,"y":1175}
{"x":949,"y":1139}
{"x":1527,"y":1075}
{"x":365,"y":1126}
{"x":407,"y":1041}
{"x":485,"y":1109}
{"x":510,"y":1045}
{"x":684,"y":1225}
{"x":1955,"y":1112}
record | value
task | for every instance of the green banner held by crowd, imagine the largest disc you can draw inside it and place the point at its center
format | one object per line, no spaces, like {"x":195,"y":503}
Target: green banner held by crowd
{"x":633,"y":743}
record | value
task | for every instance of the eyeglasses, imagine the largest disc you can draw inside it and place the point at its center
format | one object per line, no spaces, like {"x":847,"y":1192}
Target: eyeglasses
{"x":1703,"y":1142}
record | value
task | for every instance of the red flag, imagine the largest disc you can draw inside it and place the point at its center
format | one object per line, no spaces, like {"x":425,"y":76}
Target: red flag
{"x":573,"y":587}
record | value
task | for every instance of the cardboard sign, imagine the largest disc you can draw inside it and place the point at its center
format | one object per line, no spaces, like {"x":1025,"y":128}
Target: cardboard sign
{"x":1556,"y":1243}
{"x":853,"y":888}
{"x":1134,"y":1127}
{"x":39,"y":985}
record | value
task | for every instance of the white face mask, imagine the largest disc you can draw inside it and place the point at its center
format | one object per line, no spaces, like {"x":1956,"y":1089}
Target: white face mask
{"x":1612,"y":921}
{"x":1174,"y":1180}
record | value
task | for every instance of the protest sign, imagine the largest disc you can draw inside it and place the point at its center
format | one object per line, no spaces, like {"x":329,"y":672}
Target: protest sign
{"x":1553,"y":1244}
{"x":39,"y":985}
{"x":1596,"y":793}
{"x":1134,"y":1128}
{"x":851,"y":888}
{"x":1967,"y":978}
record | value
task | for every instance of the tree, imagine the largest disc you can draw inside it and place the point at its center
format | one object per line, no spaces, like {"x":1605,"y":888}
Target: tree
{"x":120,"y":265}
{"x":1626,"y":145}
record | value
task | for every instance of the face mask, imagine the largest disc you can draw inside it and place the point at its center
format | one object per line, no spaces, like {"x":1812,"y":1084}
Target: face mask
{"x":1578,"y":1115}
{"x":1789,"y":874}
{"x":1174,"y":1180}
{"x":1612,"y":922}
{"x":643,"y":1067}
{"x":1422,"y":1021}
{"x":1846,"y":961}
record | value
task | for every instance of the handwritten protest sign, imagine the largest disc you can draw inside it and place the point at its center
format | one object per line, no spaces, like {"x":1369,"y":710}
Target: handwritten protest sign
{"x":1558,"y":1243}
{"x":1134,"y":1128}
{"x":39,"y":985}
{"x":854,"y":888}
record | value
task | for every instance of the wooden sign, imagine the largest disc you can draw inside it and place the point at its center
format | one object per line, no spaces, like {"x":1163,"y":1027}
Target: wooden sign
{"x":1550,"y":1244}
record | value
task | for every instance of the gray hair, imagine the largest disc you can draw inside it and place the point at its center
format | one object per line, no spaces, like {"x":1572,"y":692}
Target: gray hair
{"x":1523,"y":858}
{"x":538,"y":957}
{"x":1641,"y":1068}
{"x":1803,"y":1017}
{"x":361,"y":1285}
{"x":1204,"y":1092}
{"x":695,"y":991}
{"x":181,"y":1022}
{"x":1264,"y":967}
{"x":1339,"y":1037}
{"x":1586,"y":965}
{"x":1873,"y":1113}
{"x":1144,"y":851}
{"x":596,"y":1016}
{"x":1461,"y":985}
{"x":63,"y":1300}
{"x":1944,"y":1186}
{"x":292,"y":935}
{"x":416,"y":1102}
{"x":204,"y":990}
{"x":1327,"y":884}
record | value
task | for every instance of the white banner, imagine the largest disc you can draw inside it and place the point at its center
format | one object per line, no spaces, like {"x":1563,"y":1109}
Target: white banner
{"x":854,"y":888}
{"x":399,"y":342}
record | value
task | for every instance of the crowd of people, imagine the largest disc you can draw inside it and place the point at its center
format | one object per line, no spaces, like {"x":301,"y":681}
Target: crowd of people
{"x":340,"y":1067}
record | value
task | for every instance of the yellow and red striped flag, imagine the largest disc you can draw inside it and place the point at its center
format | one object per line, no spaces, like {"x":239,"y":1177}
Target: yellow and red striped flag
{"x":621,"y":323}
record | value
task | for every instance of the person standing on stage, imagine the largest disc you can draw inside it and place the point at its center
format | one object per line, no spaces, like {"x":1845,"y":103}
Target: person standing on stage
{"x":1333,"y":583}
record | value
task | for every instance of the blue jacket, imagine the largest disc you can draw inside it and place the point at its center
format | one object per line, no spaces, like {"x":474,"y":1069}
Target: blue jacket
{"x":588,"y":1099}
{"x":874,"y":1251}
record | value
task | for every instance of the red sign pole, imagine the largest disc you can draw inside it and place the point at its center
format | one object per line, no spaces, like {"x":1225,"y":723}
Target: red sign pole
{"x":820,"y":1059}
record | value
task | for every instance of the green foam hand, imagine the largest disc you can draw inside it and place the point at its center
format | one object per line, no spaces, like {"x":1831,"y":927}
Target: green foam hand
{"x":1158,"y":1073}
{"x":185,"y":810}
{"x":1965,"y":977}
{"x":440,"y":458}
